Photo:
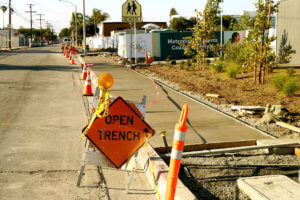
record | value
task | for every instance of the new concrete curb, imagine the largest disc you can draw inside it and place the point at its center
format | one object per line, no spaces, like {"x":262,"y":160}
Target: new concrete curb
{"x":160,"y":168}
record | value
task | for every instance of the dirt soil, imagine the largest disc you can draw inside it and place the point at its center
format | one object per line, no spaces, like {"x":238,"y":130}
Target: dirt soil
{"x":240,"y":91}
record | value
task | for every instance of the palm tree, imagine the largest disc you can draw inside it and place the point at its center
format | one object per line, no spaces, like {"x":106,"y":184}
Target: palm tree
{"x":98,"y":16}
{"x":3,"y":8}
{"x":172,"y":13}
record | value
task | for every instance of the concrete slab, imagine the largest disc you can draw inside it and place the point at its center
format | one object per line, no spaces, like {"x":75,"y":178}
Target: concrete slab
{"x":164,"y":105}
{"x":276,"y":187}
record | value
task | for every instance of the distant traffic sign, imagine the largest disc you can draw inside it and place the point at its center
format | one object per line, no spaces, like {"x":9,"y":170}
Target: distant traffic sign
{"x":131,"y":12}
{"x":119,"y":135}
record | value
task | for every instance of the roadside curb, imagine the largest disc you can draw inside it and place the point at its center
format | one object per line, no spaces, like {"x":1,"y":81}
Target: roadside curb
{"x":160,"y":168}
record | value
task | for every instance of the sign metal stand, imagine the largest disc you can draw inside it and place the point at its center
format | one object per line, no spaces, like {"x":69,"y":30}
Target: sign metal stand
{"x":94,"y":157}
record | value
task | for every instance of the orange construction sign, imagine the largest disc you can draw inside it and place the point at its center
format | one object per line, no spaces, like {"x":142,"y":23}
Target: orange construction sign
{"x":121,"y":134}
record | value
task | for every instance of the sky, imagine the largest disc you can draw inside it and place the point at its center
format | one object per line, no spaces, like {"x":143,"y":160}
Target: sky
{"x":58,"y":14}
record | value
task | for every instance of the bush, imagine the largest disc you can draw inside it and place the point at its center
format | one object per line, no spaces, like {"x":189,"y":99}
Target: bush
{"x":168,"y":58}
{"x":194,"y":60}
{"x":173,"y":62}
{"x":290,"y":71}
{"x":290,"y":87}
{"x":285,"y":83}
{"x":219,"y":67}
{"x":232,"y":70}
{"x":237,"y":52}
{"x":188,"y":63}
{"x":181,"y":64}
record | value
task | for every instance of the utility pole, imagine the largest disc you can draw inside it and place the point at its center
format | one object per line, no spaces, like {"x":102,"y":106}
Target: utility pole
{"x":9,"y":27}
{"x":84,"y":34}
{"x":30,"y":11}
{"x":41,"y":38}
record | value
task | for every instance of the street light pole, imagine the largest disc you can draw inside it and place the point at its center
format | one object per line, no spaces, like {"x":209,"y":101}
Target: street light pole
{"x":76,"y":37}
{"x":221,"y":35}
{"x":84,"y":34}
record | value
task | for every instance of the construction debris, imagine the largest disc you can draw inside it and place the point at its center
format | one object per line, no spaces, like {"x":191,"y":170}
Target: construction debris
{"x":213,"y":95}
{"x":288,"y":126}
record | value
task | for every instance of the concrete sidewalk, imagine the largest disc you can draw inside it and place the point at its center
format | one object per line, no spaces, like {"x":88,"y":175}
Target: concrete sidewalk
{"x":164,"y":105}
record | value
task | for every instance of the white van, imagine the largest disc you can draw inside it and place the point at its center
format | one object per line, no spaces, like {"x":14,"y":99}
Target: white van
{"x":67,"y":41}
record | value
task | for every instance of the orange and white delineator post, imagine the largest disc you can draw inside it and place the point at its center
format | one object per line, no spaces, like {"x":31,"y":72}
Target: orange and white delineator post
{"x":88,"y":86}
{"x":84,"y":73}
{"x":176,"y":154}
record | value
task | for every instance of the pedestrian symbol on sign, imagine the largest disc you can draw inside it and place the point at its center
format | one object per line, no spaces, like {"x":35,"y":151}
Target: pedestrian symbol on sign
{"x":131,"y":12}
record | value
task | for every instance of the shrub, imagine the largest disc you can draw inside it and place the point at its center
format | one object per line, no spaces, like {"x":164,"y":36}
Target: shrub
{"x":173,"y":62}
{"x":290,"y":71}
{"x":188,"y":63}
{"x":181,"y":64}
{"x":290,"y":87}
{"x":232,"y":70}
{"x":219,"y":67}
{"x":194,"y":60}
{"x":168,"y":58}
{"x":124,"y":61}
{"x":285,"y":83}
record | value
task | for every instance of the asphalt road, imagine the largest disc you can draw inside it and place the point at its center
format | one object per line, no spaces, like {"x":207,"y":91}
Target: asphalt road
{"x":41,"y":115}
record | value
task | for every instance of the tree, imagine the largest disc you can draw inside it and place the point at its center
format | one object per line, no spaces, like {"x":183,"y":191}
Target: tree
{"x":258,"y":38}
{"x":182,"y":24}
{"x":285,"y":49}
{"x":243,"y":23}
{"x":97,"y":17}
{"x":3,"y":8}
{"x":172,"y":13}
{"x":203,"y":32}
{"x":65,"y":32}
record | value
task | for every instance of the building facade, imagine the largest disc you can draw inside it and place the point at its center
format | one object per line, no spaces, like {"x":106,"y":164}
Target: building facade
{"x":288,"y":19}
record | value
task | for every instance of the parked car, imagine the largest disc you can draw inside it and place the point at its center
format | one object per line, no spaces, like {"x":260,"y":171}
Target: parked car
{"x":43,"y":43}
{"x":35,"y":44}
{"x":67,"y":41}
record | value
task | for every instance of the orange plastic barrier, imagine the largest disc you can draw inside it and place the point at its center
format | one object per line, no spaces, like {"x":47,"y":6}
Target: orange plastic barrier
{"x":88,"y":86}
{"x":176,"y":154}
{"x":84,"y":73}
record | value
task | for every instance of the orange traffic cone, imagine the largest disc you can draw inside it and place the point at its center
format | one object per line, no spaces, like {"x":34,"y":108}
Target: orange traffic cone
{"x":146,"y":57}
{"x":149,"y":57}
{"x":82,"y":65}
{"x":88,"y":86}
{"x":73,"y":61}
{"x":84,"y":73}
{"x":67,"y":55}
{"x":176,"y":154}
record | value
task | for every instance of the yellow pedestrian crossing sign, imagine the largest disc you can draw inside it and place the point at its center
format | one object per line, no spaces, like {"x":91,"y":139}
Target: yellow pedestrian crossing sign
{"x":131,"y":12}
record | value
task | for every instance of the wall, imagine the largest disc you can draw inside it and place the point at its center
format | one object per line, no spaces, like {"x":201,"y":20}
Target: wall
{"x":15,"y":41}
{"x":288,"y":19}
{"x":144,"y":43}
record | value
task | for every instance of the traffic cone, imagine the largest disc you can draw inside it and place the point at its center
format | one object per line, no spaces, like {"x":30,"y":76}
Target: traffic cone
{"x":176,"y":154}
{"x":67,"y":54}
{"x":88,"y":86}
{"x":70,"y":58}
{"x":149,"y":57}
{"x":84,"y":73}
{"x":82,"y":65}
{"x":73,"y":61}
{"x":146,"y":57}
